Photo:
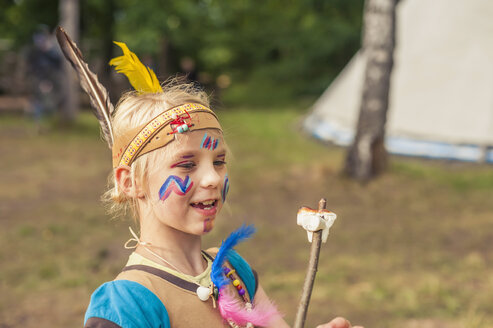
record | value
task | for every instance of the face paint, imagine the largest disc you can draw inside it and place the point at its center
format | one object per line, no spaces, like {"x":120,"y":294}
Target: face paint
{"x":209,"y":142}
{"x":205,"y":141}
{"x":176,"y":164}
{"x":187,"y":156}
{"x":225,"y":188}
{"x":174,"y":183}
{"x":208,"y":225}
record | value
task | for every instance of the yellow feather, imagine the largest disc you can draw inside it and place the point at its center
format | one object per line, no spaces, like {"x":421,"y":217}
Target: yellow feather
{"x":142,"y":78}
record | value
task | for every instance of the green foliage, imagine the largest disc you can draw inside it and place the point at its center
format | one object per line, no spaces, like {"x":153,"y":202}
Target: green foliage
{"x":273,"y":51}
{"x":297,"y":46}
{"x":20,"y":18}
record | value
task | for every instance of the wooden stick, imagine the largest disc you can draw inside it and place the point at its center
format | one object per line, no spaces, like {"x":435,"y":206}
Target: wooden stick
{"x":306,"y":293}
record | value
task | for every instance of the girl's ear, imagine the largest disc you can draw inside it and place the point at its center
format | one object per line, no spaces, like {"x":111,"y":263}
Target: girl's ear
{"x":131,"y":188}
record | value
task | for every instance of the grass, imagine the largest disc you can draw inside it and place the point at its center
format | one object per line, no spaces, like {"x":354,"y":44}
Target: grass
{"x":410,"y":249}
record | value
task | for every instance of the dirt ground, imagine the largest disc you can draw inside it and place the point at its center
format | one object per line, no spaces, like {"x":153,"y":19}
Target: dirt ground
{"x":410,"y":249}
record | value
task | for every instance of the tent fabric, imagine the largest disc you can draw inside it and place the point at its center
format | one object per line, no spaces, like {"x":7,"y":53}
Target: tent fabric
{"x":441,"y":93}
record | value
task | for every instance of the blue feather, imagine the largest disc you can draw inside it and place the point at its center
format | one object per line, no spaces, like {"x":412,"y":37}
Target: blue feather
{"x":217,"y":276}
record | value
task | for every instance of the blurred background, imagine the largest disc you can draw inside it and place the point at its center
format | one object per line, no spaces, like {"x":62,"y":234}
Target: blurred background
{"x":382,"y":107}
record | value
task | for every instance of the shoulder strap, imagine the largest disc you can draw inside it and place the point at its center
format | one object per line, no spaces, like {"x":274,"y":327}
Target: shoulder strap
{"x":187,"y":285}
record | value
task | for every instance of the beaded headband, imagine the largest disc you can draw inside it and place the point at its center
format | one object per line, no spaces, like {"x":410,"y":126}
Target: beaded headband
{"x":161,"y":130}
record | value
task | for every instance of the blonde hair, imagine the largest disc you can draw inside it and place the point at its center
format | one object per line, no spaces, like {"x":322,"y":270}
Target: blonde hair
{"x":134,"y":110}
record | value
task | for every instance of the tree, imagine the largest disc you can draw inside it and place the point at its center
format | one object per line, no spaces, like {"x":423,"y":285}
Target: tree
{"x":274,"y":52}
{"x":69,"y":20}
{"x":367,"y":156}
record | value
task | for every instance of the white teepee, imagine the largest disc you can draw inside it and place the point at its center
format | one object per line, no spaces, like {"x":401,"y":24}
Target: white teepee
{"x":441,"y":95}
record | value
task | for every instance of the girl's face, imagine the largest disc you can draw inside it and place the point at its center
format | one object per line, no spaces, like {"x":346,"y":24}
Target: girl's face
{"x":188,"y":189}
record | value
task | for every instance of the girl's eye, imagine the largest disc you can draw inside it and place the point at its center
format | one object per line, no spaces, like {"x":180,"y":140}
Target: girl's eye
{"x":219,"y":163}
{"x":187,"y":165}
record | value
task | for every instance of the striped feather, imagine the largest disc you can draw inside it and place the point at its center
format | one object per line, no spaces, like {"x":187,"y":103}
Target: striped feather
{"x":98,"y":95}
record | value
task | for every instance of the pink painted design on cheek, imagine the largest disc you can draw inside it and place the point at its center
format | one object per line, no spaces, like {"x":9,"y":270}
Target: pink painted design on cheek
{"x":175,"y":184}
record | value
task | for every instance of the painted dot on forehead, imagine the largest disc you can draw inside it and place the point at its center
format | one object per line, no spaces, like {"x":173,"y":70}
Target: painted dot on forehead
{"x":175,"y":184}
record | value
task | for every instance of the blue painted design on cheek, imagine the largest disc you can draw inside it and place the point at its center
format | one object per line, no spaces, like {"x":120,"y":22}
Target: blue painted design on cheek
{"x":225,"y":190}
{"x":175,"y":184}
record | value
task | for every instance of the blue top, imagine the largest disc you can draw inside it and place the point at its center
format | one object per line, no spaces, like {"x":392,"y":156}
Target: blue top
{"x":127,"y":304}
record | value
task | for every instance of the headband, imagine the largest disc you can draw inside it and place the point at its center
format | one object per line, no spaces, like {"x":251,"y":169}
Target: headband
{"x":161,"y":130}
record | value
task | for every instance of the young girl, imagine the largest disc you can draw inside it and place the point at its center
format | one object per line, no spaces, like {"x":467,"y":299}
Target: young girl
{"x":169,"y":166}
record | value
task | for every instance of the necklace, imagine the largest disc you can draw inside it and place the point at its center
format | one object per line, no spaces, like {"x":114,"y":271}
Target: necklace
{"x":203,"y":293}
{"x":145,"y":246}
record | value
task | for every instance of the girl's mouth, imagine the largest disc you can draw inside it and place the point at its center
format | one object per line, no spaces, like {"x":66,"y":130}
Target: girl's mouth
{"x":205,"y":205}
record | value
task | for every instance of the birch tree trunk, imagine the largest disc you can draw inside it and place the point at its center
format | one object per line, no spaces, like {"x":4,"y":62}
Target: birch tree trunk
{"x":69,"y":20}
{"x":367,"y":156}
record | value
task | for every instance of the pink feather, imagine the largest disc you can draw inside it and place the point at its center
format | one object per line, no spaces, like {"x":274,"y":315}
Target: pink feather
{"x":233,"y":309}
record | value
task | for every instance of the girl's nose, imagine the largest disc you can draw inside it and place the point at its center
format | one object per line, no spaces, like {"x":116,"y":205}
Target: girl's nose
{"x":210,"y":177}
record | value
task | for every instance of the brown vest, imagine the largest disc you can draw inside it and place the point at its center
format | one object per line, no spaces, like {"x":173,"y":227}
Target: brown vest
{"x":184,"y":308}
